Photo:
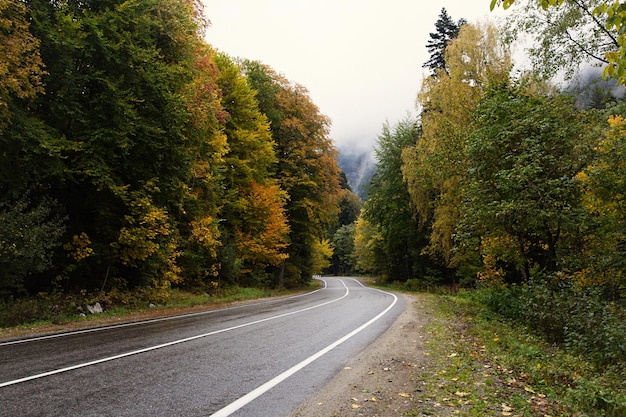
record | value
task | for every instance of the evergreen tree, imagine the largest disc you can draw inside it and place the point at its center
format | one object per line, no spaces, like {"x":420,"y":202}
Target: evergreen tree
{"x":447,"y":30}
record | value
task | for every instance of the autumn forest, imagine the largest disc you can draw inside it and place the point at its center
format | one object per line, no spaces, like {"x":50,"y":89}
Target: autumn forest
{"x":137,"y":159}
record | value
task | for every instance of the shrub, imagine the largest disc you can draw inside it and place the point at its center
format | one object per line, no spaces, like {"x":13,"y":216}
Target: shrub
{"x":580,"y":320}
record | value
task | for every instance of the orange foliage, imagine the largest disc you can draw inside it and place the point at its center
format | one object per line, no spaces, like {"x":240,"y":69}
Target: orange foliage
{"x":263,"y":239}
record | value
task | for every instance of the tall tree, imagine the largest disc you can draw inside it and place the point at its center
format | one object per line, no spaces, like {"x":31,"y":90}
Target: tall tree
{"x":207,"y":145}
{"x":605,"y":202}
{"x":446,"y":30}
{"x":435,"y":168}
{"x":388,"y":207}
{"x":522,"y":197}
{"x":252,"y":213}
{"x":115,"y":103}
{"x":307,"y":169}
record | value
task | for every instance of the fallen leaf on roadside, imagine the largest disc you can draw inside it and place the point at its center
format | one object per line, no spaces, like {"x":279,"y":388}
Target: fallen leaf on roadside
{"x":461,"y":394}
{"x":404,"y":394}
{"x":373,"y":399}
{"x":356,"y":406}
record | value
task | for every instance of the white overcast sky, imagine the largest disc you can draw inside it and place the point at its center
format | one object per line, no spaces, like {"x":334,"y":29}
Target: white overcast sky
{"x":361,"y":60}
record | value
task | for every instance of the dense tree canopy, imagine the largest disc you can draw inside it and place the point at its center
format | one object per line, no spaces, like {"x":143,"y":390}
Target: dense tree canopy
{"x":435,"y":167}
{"x":521,"y":199}
{"x":388,"y":208}
{"x":307,"y":169}
{"x":134,"y":155}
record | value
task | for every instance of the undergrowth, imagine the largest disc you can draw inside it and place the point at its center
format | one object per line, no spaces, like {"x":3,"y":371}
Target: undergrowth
{"x":485,"y":365}
{"x":59,"y":308}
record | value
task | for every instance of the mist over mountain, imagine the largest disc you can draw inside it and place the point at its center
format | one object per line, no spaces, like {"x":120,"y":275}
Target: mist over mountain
{"x":359,"y":164}
{"x":593,"y":91}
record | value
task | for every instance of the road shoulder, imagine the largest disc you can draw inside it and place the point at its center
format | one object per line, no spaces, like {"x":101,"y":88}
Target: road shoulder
{"x":381,"y":380}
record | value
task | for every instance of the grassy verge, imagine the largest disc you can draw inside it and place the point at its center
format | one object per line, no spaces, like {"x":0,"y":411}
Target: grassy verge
{"x":485,"y":366}
{"x":46,"y":312}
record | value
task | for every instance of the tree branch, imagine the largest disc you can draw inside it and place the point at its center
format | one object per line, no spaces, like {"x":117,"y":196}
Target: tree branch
{"x":585,"y":50}
{"x":582,"y":7}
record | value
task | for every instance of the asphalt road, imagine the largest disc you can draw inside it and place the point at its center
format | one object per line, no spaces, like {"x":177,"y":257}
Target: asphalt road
{"x":259,"y":359}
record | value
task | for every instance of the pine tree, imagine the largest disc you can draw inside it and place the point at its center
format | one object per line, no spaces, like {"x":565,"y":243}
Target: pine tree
{"x":447,"y":30}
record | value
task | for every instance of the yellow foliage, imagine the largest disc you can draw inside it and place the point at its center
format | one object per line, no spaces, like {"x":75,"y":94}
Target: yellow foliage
{"x":366,"y":239}
{"x":497,"y":251}
{"x":78,"y":249}
{"x":204,"y":232}
{"x":265,"y":237}
{"x":435,"y":168}
{"x":146,"y":224}
{"x":322,"y":252}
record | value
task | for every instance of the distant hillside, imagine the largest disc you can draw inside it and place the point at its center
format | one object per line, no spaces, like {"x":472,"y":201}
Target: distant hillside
{"x":359,"y":165}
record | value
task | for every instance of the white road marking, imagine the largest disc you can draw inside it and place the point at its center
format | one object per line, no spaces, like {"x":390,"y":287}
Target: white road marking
{"x":175,"y":342}
{"x":257,"y":392}
{"x":137,"y":323}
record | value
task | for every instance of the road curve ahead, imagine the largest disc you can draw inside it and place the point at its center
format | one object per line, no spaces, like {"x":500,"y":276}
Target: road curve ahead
{"x":259,"y":360}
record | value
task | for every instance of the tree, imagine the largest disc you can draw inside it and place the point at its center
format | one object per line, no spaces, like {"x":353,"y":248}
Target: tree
{"x":522,"y":199}
{"x":21,"y":67}
{"x":116,"y":108}
{"x":29,"y":233}
{"x":307,"y":170}
{"x":369,"y":252}
{"x":435,"y":167}
{"x":343,"y":233}
{"x":253,"y":219}
{"x":604,"y":201}
{"x":350,"y":204}
{"x":574,"y":31}
{"x":207,"y":145}
{"x":446,"y":30}
{"x":262,"y":239}
{"x":388,"y":207}
{"x":343,"y":249}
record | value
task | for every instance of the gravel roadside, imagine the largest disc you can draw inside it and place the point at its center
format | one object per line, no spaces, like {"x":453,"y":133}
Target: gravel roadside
{"x":383,"y":380}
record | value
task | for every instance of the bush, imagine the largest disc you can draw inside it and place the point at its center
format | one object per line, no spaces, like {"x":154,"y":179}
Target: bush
{"x":581,"y":320}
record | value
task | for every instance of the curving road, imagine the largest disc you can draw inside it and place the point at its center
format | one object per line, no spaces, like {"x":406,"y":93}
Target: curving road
{"x":259,"y":359}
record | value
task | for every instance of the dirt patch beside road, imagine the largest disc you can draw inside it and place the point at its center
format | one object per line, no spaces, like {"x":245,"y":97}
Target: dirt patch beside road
{"x":384,"y":379}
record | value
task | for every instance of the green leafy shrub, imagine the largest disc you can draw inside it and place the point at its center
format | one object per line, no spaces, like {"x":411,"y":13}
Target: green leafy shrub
{"x":581,"y":320}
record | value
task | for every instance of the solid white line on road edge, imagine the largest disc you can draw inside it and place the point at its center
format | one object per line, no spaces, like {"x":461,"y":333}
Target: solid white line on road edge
{"x":175,"y":342}
{"x":140,"y":322}
{"x":257,"y":392}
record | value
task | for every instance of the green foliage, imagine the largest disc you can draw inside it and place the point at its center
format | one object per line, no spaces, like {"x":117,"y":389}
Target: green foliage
{"x":522,"y":199}
{"x":343,"y":249}
{"x":581,"y":320}
{"x":252,"y":213}
{"x":435,"y":168}
{"x":572,"y":32}
{"x":30,"y":232}
{"x":388,"y":207}
{"x":552,"y":380}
